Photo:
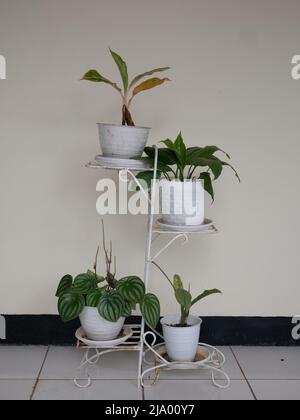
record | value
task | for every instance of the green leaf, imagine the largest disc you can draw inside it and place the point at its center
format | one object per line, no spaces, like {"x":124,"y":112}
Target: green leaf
{"x":70,"y":306}
{"x":230,"y":166}
{"x":215,"y":164}
{"x":147,"y":178}
{"x":127,"y":309}
{"x":97,"y":279}
{"x":184,"y":298}
{"x":181,"y":151}
{"x":170,"y":144}
{"x":84,"y":284}
{"x":132,"y":289}
{"x":111,"y":306}
{"x":150,"y":308}
{"x":122,"y":66}
{"x":165,"y":156}
{"x":149,"y":84}
{"x":205,"y":295}
{"x":192,"y":153}
{"x":64,"y":285}
{"x":93,"y":298}
{"x":209,"y":151}
{"x":148,"y":73}
{"x":208,"y":185}
{"x":177,"y":282}
{"x":94,"y":76}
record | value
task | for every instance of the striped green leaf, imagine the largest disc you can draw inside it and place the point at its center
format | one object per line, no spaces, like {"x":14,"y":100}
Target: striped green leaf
{"x":64,"y":285}
{"x":98,"y":279}
{"x":93,"y":298}
{"x":132,"y":289}
{"x":70,"y":306}
{"x":111,"y":306}
{"x":150,"y":308}
{"x":127,"y":309}
{"x":84,"y":284}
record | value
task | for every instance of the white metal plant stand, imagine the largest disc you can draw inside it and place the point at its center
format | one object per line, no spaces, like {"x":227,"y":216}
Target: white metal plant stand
{"x":214,"y":361}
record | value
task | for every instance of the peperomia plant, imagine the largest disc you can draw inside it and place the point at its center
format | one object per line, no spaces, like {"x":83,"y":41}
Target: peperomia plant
{"x":177,"y":161}
{"x":113,"y":298}
{"x":184,"y":297}
{"x":130,"y":88}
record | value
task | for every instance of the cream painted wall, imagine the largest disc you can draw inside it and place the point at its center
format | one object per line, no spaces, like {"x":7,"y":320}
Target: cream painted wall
{"x":232,"y":86}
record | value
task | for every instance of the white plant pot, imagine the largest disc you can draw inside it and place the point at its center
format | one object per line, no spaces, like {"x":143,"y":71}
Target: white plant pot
{"x":98,"y":329}
{"x":182,"y":203}
{"x":181,"y":343}
{"x":121,"y":141}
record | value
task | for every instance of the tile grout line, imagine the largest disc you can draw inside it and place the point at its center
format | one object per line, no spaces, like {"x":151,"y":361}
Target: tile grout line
{"x":244,"y":375}
{"x":39,"y":374}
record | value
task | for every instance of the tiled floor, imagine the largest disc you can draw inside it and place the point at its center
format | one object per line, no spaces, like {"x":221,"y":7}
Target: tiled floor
{"x":42,"y":373}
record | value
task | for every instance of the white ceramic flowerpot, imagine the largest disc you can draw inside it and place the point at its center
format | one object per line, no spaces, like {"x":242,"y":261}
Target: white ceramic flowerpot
{"x":97,"y":328}
{"x":181,"y":343}
{"x":121,"y":141}
{"x":182,"y":203}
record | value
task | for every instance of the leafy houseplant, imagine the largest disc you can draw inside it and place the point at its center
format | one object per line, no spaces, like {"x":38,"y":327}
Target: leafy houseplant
{"x":181,"y":167}
{"x":182,"y":332}
{"x":103,"y":303}
{"x":129,"y":143}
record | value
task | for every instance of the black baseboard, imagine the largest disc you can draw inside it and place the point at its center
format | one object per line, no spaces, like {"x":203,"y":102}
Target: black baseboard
{"x":226,"y":331}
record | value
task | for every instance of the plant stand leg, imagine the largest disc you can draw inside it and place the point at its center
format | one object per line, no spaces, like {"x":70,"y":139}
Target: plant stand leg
{"x":148,"y":260}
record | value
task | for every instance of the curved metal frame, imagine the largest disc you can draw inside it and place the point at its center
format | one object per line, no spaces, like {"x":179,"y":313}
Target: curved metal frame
{"x":214,"y":363}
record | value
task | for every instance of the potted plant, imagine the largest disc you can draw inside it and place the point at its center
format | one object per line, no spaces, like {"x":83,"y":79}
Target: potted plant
{"x":185,"y":173}
{"x":103,"y":303}
{"x":125,"y":141}
{"x":182,"y":331}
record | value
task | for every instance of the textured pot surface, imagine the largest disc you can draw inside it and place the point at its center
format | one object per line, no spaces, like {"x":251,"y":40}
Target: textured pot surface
{"x":97,"y":328}
{"x":121,"y":141}
{"x":182,"y":203}
{"x":181,"y":343}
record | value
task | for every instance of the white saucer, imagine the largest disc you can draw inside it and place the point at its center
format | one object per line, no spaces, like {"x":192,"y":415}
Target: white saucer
{"x":127,"y":333}
{"x":116,"y":163}
{"x":206,"y":226}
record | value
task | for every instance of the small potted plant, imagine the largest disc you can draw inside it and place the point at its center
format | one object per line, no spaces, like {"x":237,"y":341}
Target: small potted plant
{"x":103,"y":303}
{"x":182,"y":331}
{"x":185,"y":173}
{"x":125,"y":141}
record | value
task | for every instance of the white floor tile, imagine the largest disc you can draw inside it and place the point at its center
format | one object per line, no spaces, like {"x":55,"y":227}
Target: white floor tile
{"x":62,"y":363}
{"x":99,"y":390}
{"x":198,"y":390}
{"x":231,"y":367}
{"x":276,"y":390}
{"x":16,"y":390}
{"x":21,"y":362}
{"x":269,"y":362}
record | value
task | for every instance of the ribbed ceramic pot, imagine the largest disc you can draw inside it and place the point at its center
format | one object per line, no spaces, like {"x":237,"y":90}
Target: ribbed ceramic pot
{"x":182,"y":203}
{"x":121,"y":141}
{"x":98,"y":329}
{"x":181,"y":343}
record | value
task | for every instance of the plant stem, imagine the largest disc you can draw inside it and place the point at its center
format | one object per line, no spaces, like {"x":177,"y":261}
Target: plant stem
{"x":162,"y":271}
{"x":96,"y":262}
